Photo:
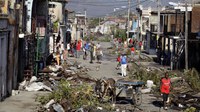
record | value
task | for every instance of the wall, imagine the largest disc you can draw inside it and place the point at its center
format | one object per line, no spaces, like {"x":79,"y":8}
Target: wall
{"x":56,"y":12}
{"x":4,"y":38}
{"x":195,"y":19}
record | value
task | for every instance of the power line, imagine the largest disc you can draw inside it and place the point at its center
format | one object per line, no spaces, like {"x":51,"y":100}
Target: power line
{"x":133,"y":6}
{"x":101,"y":4}
{"x":120,"y":11}
{"x":116,"y":12}
{"x":98,"y":4}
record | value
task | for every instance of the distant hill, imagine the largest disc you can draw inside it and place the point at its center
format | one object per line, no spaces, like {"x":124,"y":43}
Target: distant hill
{"x":99,"y":8}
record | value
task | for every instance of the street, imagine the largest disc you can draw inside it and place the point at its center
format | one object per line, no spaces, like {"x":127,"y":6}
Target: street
{"x":25,"y":101}
{"x":99,"y":55}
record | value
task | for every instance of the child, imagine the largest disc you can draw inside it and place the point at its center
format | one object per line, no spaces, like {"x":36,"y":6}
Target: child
{"x":118,"y":60}
{"x":132,"y":51}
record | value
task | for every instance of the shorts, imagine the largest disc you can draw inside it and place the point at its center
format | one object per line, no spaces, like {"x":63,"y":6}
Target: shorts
{"x":165,"y":96}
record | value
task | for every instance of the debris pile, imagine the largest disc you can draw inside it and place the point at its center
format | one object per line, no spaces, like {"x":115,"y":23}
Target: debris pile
{"x":49,"y":77}
{"x":70,"y":89}
{"x":185,"y":85}
{"x":70,"y":98}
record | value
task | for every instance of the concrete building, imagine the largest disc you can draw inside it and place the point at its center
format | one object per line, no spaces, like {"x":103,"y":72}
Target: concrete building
{"x":78,"y":27}
{"x":9,"y":29}
{"x":58,"y":23}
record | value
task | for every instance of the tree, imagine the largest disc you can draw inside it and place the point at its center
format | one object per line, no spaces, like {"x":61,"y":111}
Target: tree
{"x":94,"y":22}
{"x":120,"y":33}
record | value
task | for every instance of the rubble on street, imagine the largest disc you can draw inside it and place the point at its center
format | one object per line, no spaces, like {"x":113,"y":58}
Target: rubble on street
{"x":69,"y":86}
{"x":185,"y":85}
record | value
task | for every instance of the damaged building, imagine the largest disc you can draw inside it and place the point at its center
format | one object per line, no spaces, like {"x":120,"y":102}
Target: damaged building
{"x":9,"y":20}
{"x":171,"y":44}
{"x":24,"y":40}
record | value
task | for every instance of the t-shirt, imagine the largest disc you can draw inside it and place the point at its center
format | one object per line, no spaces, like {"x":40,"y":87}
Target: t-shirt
{"x":123,"y":60}
{"x":78,"y":46}
{"x":165,"y":85}
{"x":132,"y":49}
{"x":118,"y":59}
{"x":87,"y":46}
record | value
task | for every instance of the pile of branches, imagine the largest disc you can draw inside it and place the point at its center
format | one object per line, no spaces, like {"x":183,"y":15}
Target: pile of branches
{"x":72,"y":90}
{"x":72,"y":98}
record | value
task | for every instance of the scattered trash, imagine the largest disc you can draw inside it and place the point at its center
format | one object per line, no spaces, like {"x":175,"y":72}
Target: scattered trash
{"x":33,"y":79}
{"x":181,"y":106}
{"x":58,"y":108}
{"x":150,"y":84}
{"x":99,"y":108}
{"x":15,"y":92}
{"x":49,"y":103}
{"x":144,"y":91}
{"x":36,"y":86}
{"x":72,"y":89}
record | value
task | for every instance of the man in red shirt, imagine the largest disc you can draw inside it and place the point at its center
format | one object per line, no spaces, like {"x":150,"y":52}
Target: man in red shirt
{"x":78,"y":48}
{"x":165,"y":88}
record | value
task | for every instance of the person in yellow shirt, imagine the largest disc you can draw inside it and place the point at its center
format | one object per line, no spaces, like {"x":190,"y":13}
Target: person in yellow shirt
{"x":58,"y":58}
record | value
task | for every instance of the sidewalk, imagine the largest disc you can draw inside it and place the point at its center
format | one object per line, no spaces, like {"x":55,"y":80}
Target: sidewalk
{"x":23,"y":102}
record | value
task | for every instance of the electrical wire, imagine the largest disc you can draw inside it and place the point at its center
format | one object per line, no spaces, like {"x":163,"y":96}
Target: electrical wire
{"x":133,"y":6}
{"x":100,"y":3}
{"x":106,"y":5}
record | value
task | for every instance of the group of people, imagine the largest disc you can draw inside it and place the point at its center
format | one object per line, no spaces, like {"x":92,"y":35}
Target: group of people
{"x":94,"y":50}
{"x":76,"y":48}
{"x":165,"y":82}
{"x":73,"y":49}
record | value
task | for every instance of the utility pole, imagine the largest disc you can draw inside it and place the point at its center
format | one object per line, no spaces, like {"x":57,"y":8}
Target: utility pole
{"x":158,"y":32}
{"x":85,"y":29}
{"x":138,"y":32}
{"x":128,"y":23}
{"x":186,"y":36}
{"x":85,"y":18}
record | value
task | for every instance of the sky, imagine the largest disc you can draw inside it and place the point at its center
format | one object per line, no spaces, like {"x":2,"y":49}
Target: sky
{"x":100,"y":8}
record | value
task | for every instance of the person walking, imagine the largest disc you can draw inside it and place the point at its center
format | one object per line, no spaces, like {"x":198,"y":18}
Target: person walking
{"x":119,"y":62}
{"x":165,"y":89}
{"x":91,"y":52}
{"x":78,"y":49}
{"x":123,"y":64}
{"x":98,"y":45}
{"x":132,"y":51}
{"x":99,"y":55}
{"x":86,"y":50}
{"x":94,"y":51}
